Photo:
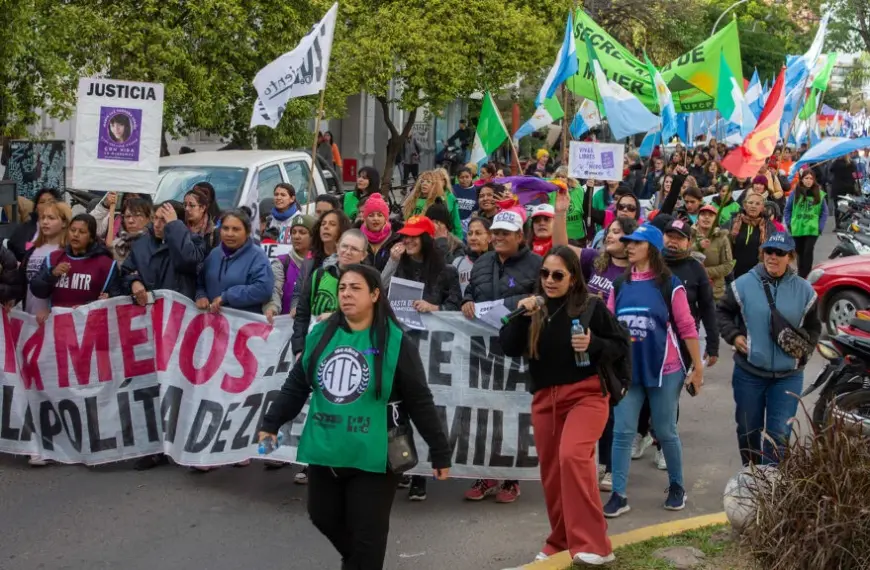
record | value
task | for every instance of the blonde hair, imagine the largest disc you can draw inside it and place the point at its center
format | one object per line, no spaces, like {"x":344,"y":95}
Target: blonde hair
{"x":437,"y":191}
{"x":472,"y":166}
{"x":64,"y":212}
{"x":563,"y":171}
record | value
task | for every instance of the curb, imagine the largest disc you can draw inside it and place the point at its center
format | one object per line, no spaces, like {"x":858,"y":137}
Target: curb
{"x":562,"y":560}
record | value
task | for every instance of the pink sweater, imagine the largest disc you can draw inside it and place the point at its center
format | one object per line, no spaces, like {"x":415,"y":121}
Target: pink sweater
{"x":682,"y":316}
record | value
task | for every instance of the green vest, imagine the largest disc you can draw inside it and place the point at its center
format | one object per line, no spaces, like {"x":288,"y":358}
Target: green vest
{"x":805,"y":216}
{"x":324,"y":292}
{"x":576,"y":223}
{"x":346,"y":424}
{"x":350,"y":205}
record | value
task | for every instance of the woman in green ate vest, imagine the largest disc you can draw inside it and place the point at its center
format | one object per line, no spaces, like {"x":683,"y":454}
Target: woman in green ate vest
{"x":368,"y":181}
{"x":430,"y":190}
{"x":364,"y":376}
{"x":806,"y":212}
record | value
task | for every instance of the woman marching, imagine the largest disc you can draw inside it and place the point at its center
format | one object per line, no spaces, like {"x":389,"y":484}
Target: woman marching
{"x":766,"y":377}
{"x":428,"y":190}
{"x":54,"y":220}
{"x":569,"y":406}
{"x":351,"y":481}
{"x":378,"y":232}
{"x":479,"y":242}
{"x":198,"y":219}
{"x":652,"y":303}
{"x":747,"y":231}
{"x":283,"y":211}
{"x":713,"y":243}
{"x":368,"y":181}
{"x":806,"y":212}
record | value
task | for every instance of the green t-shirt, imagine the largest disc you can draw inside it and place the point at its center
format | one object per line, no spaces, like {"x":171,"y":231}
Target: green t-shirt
{"x":805,"y":216}
{"x":350,"y":204}
{"x":346,"y":424}
{"x":598,"y":204}
{"x":576,"y":223}
{"x":452,"y":209}
{"x":324,"y":292}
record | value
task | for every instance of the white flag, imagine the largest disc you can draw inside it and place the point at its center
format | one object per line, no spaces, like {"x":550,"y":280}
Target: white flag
{"x":295,"y":74}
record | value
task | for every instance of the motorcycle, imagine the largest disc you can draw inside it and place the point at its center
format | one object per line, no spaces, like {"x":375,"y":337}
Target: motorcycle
{"x":852,"y":209}
{"x":848,"y":367}
{"x":853,"y":409}
{"x":451,"y":158}
{"x":853,"y":243}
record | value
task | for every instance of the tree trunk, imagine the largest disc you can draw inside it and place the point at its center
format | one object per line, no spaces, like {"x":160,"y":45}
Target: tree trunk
{"x":164,"y":144}
{"x":395,"y":144}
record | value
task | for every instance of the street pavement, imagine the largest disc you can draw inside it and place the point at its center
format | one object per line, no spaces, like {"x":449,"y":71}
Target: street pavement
{"x":111,"y":517}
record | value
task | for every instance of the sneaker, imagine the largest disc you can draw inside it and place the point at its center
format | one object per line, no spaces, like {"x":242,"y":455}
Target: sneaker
{"x":590,"y":559}
{"x":150,"y":462}
{"x":602,"y":469}
{"x":509,"y":492}
{"x":36,"y":461}
{"x":676,"y":500}
{"x":606,"y":483}
{"x":640,"y":444}
{"x":541,"y":557}
{"x":616,"y":506}
{"x":417,"y":492}
{"x":481,"y":489}
{"x":272,"y":465}
{"x":661,"y":464}
{"x":404,"y":482}
{"x":301,"y":478}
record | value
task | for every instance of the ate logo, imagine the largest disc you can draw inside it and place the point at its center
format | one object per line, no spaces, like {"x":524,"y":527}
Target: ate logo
{"x":343,"y":376}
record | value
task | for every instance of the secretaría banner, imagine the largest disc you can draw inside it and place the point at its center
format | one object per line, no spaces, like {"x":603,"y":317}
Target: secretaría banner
{"x":599,"y":161}
{"x":118,"y":134}
{"x":692,"y":78}
{"x":112,"y":381}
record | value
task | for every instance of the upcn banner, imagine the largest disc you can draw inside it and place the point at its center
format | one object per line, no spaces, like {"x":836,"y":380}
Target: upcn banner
{"x":112,"y":381}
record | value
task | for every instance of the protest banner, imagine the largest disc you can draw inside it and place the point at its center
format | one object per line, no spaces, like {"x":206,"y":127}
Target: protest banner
{"x":112,"y":381}
{"x":119,"y":125}
{"x":273,"y":250}
{"x":599,"y":161}
{"x":692,"y":78}
{"x":402,"y":294}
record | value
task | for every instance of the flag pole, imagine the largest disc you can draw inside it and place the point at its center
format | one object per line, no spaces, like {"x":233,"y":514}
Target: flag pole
{"x":564,"y":125}
{"x":314,"y":144}
{"x":794,"y":118}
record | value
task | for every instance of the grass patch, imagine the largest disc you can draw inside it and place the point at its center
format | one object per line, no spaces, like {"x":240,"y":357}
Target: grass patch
{"x":721,"y":554}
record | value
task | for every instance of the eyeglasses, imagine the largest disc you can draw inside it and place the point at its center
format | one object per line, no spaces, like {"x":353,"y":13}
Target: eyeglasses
{"x":192,"y":205}
{"x":776,"y":252}
{"x":626,"y":208}
{"x":131,"y":216}
{"x":347,"y":247}
{"x":557,"y":275}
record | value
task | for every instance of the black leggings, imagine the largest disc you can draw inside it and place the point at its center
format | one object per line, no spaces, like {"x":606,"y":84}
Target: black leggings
{"x":352,"y":509}
{"x":605,"y":444}
{"x":804,"y":247}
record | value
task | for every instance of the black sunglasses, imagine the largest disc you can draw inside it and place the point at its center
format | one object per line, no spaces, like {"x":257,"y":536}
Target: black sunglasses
{"x":776,"y":252}
{"x":626,"y":208}
{"x":558,"y":275}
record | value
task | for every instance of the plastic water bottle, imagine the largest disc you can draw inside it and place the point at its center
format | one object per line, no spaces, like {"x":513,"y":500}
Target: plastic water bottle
{"x":267,"y":446}
{"x":581,"y":358}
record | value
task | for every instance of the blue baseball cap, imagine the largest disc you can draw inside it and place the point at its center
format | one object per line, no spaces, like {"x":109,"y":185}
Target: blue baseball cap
{"x":781,"y":241}
{"x":648,"y":233}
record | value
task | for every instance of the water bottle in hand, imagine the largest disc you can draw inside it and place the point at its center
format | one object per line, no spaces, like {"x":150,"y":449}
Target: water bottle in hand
{"x":268,"y":445}
{"x":581,"y":358}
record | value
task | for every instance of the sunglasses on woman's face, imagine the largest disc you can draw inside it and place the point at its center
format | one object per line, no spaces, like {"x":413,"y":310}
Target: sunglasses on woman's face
{"x":557,"y":275}
{"x":626,"y":208}
{"x":776,"y":252}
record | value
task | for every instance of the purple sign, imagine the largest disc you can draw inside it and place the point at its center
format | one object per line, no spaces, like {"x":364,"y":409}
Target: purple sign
{"x":120,"y":132}
{"x":607,"y":159}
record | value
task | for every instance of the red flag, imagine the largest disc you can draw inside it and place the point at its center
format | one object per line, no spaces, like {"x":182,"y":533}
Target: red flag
{"x":745,"y":160}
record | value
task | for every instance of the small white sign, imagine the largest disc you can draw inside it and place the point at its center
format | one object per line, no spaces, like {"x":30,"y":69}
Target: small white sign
{"x":599,"y":161}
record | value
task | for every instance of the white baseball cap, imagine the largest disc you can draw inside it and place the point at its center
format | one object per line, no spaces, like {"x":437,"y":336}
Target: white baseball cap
{"x":545,"y":210}
{"x":507,"y":220}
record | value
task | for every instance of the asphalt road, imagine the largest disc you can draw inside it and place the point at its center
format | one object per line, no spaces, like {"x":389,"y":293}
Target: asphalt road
{"x":79,"y":518}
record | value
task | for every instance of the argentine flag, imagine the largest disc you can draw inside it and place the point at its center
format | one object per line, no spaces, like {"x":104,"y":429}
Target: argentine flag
{"x":566,"y":65}
{"x":586,"y":119}
{"x":754,"y":94}
{"x":649,"y":143}
{"x":666,"y":101}
{"x":548,"y":113}
{"x":828,"y":149}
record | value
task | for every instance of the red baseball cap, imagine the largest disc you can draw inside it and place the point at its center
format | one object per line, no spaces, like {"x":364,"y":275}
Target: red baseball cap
{"x":418,"y":225}
{"x":709,"y":208}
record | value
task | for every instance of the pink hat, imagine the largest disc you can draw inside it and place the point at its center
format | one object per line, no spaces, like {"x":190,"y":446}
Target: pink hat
{"x":376,"y":203}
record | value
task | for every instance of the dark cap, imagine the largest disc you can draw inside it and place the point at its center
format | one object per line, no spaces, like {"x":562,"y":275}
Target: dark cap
{"x":680,"y":226}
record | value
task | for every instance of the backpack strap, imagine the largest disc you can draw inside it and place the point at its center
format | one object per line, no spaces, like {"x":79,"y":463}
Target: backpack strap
{"x":315,"y":283}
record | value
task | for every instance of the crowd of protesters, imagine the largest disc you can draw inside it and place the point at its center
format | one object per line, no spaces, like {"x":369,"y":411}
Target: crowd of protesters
{"x":660,"y":264}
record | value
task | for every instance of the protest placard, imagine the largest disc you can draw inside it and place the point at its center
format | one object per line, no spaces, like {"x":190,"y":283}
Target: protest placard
{"x":402,"y":295}
{"x":119,"y":125}
{"x":599,"y":161}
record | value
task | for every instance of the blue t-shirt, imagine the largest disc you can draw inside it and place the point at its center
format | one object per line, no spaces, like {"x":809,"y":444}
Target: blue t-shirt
{"x":466,"y":200}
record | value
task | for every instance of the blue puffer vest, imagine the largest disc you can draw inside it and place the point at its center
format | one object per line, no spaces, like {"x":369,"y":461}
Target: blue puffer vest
{"x":792,"y":296}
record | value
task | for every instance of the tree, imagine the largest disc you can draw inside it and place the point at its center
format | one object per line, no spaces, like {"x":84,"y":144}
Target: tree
{"x":849,"y":28}
{"x":434,"y":52}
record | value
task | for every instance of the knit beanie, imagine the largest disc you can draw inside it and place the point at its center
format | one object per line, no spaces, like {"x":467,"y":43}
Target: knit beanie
{"x":376,"y":203}
{"x":303,"y":220}
{"x":760,"y":179}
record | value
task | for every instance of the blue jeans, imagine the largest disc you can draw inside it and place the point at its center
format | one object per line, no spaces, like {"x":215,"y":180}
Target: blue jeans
{"x":762,"y":404}
{"x":663,"y":407}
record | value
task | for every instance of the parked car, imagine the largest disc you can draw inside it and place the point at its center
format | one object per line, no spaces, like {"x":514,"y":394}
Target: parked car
{"x":244,"y":177}
{"x":843,"y":287}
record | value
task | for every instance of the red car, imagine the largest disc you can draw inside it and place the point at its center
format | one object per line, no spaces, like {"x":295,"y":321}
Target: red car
{"x":843,"y":287}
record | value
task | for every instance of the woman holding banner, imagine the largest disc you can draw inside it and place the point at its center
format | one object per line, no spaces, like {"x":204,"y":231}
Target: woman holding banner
{"x":198,"y":219}
{"x":53,"y":225}
{"x":570,"y":402}
{"x":352,"y":480}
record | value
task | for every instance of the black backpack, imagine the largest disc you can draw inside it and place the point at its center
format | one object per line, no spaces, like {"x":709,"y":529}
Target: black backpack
{"x":615,"y":376}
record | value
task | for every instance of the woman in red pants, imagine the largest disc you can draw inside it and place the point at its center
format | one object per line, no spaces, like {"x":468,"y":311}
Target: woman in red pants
{"x":569,"y":407}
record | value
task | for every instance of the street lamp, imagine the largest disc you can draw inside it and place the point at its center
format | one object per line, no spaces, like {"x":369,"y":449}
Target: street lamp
{"x":731,"y":7}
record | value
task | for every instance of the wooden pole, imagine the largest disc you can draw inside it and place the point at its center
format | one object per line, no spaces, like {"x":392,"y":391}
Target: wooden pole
{"x":314,"y":144}
{"x":564,"y":125}
{"x":515,"y":125}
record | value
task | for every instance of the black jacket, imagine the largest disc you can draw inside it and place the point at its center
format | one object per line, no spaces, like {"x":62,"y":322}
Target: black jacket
{"x":512,"y":280}
{"x":23,"y":235}
{"x":169,"y":263}
{"x":745,"y":246}
{"x":379,"y":260}
{"x":842,"y":175}
{"x":11,"y":287}
{"x":699,"y":293}
{"x":445,"y":292}
{"x":555,"y":365}
{"x":409,"y":388}
{"x":303,"y":308}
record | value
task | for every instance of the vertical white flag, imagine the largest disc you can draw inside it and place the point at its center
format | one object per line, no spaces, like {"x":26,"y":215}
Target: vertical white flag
{"x":295,"y":74}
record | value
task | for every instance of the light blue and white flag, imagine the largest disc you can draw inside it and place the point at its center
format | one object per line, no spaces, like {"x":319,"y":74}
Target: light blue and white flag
{"x":586,"y":119}
{"x":754,"y":95}
{"x":547,"y":114}
{"x":566,"y":65}
{"x":649,"y":143}
{"x":828,"y":149}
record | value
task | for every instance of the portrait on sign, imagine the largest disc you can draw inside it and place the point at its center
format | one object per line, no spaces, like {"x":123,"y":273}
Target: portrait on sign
{"x":119,"y":133}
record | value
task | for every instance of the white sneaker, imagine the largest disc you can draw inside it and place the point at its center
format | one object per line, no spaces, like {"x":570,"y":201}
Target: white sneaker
{"x":661,"y":464}
{"x":640,"y":445}
{"x":593,"y":559}
{"x":301,"y":478}
{"x":541,"y":556}
{"x":606,"y":483}
{"x":601,"y":470}
{"x":36,"y":461}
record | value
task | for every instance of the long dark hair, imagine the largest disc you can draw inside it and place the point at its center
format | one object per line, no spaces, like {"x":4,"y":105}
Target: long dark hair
{"x":318,"y":249}
{"x":628,"y":225}
{"x":213,"y":210}
{"x":382,"y":317}
{"x":576,"y":298}
{"x":433,"y":262}
{"x":90,"y":223}
{"x":374,"y":178}
{"x":814,"y":189}
{"x":656,"y":264}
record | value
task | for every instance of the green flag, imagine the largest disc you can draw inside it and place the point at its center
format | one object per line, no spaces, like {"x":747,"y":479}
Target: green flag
{"x":725,"y":103}
{"x":490,"y":133}
{"x":692,"y":78}
{"x":809,"y":108}
{"x":822,"y":71}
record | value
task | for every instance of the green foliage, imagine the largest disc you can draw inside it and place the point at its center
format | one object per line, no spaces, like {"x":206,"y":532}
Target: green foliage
{"x":849,"y":29}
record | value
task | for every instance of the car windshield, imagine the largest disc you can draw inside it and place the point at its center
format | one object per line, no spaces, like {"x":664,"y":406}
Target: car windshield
{"x":176,"y":181}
